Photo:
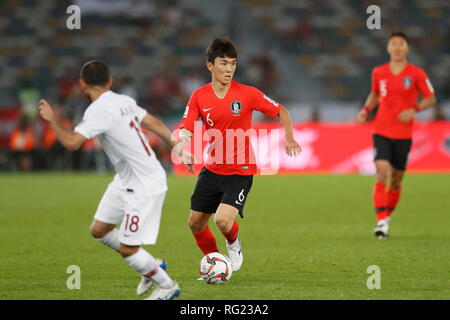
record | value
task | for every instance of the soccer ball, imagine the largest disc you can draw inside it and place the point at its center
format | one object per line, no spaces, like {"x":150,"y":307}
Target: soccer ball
{"x":215,"y":268}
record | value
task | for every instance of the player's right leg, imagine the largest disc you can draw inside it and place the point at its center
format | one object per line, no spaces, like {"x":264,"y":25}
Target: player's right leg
{"x":384,"y":150}
{"x":204,"y":201}
{"x":109,"y":213}
{"x":384,"y":169}
{"x":106,"y":234}
{"x":204,"y":237}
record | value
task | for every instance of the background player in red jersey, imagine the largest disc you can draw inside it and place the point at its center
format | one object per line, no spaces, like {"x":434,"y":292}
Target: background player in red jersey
{"x":395,"y":87}
{"x":223,"y":184}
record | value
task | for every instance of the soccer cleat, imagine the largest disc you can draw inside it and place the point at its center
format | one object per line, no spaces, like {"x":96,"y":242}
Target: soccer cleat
{"x":165,"y":294}
{"x":235,"y":254}
{"x":382,"y":229}
{"x":146,"y":283}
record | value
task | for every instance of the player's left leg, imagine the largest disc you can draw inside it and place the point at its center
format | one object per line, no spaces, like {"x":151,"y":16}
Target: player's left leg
{"x":235,"y":192}
{"x":394,"y":191}
{"x":226,"y":223}
{"x":402,"y":148}
{"x":146,"y":265}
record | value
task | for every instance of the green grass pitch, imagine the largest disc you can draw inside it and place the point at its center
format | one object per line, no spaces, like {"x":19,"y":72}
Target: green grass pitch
{"x":304,"y":237}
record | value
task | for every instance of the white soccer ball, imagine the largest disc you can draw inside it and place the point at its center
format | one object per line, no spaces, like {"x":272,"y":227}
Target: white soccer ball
{"x":215,"y":268}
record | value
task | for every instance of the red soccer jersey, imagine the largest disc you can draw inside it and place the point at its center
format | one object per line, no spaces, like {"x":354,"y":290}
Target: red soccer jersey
{"x":230,"y":115}
{"x":397,"y":93}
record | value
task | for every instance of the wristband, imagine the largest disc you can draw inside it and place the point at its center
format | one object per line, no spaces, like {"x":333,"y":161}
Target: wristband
{"x":367,"y":109}
{"x":417,"y":108}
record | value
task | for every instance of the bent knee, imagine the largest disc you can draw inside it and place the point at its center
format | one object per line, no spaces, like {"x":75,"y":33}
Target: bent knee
{"x":96,"y":232}
{"x":196,"y":225}
{"x":222,"y":223}
{"x":382,"y":176}
{"x":396,"y":185}
{"x":126,"y":251}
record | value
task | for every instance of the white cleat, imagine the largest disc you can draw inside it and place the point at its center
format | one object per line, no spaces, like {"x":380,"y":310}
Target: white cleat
{"x":382,"y":229}
{"x":235,"y":254}
{"x":165,"y":294}
{"x":146,"y":283}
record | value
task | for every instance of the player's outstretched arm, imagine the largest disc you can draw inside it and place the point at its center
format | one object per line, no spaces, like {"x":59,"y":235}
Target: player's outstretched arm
{"x":155,"y":125}
{"x":371,"y":102}
{"x":70,"y":139}
{"x":291,"y":146}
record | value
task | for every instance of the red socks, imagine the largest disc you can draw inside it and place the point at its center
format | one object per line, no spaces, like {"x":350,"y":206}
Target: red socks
{"x":392,"y":199}
{"x":379,"y":200}
{"x":384,"y":201}
{"x":232,"y":235}
{"x":206,"y":241}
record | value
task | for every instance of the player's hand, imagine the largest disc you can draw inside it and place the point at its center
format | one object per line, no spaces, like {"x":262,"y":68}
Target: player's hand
{"x":188,"y":160}
{"x":186,"y":157}
{"x":361,"y":117}
{"x":46,"y":111}
{"x":292,"y":147}
{"x":185,"y":136}
{"x":406,"y":115}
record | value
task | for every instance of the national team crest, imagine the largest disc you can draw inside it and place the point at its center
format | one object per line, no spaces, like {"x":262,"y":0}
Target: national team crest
{"x":236,"y":107}
{"x":407,"y":82}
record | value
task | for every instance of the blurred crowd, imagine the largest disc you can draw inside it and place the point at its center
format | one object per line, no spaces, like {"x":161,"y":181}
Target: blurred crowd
{"x":308,"y":52}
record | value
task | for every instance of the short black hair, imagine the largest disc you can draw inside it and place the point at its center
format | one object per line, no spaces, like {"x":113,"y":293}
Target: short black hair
{"x":220,"y":47}
{"x":95,"y":73}
{"x":399,"y":33}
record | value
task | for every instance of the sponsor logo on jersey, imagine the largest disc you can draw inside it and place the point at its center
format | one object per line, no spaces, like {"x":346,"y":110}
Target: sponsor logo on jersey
{"x":186,"y":112}
{"x":407,"y":82}
{"x":236,"y":107}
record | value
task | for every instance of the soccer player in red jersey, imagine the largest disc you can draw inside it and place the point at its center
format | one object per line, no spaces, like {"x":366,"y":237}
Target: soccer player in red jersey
{"x":395,"y":88}
{"x":225,"y":106}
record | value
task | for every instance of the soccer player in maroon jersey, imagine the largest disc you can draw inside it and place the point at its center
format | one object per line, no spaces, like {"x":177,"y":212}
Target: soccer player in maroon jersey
{"x":395,"y":88}
{"x":225,"y":106}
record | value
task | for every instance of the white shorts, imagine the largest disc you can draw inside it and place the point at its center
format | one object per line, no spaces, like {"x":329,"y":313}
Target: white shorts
{"x":138,"y":213}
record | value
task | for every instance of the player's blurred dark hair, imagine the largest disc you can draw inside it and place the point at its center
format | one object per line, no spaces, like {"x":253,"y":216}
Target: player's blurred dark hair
{"x":399,"y":33}
{"x":95,"y":73}
{"x":220,"y":47}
